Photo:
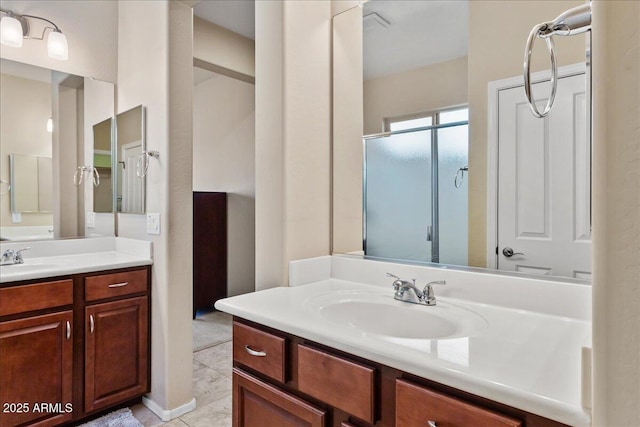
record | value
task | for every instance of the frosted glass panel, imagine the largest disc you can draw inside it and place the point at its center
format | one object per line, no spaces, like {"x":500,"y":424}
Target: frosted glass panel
{"x":453,"y":151}
{"x":398,"y":196}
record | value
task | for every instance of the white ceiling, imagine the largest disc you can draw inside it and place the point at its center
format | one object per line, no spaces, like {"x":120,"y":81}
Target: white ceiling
{"x":234,"y":15}
{"x":421,"y":32}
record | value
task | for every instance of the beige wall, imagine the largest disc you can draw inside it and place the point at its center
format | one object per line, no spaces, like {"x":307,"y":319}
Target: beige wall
{"x":25,"y":106}
{"x":155,"y":70}
{"x":223,"y":160}
{"x":293,"y":42}
{"x":496,"y":52}
{"x":222,"y":51}
{"x":616,"y":213}
{"x":424,"y":89}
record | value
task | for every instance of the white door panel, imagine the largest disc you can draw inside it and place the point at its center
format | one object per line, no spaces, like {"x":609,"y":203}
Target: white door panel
{"x":544,"y":182}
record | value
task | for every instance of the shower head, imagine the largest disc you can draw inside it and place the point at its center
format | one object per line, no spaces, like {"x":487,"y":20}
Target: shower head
{"x":573,"y":21}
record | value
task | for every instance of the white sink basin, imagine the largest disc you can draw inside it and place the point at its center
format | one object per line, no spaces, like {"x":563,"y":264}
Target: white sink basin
{"x":379,"y":314}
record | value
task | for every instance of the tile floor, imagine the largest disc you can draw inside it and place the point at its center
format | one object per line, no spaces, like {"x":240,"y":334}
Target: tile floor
{"x":211,"y":377}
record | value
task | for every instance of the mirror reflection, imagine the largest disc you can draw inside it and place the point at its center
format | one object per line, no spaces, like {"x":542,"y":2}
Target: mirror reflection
{"x":103,"y":194}
{"x":130,"y":146}
{"x":49,"y":114}
{"x":455,"y":169}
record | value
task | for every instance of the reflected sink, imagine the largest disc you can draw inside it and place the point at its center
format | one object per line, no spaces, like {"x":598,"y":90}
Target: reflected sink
{"x":379,"y":314}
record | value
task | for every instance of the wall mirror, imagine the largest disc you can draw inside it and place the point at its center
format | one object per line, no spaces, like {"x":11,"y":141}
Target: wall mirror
{"x":131,"y":161}
{"x":436,"y":156}
{"x":46,"y":134}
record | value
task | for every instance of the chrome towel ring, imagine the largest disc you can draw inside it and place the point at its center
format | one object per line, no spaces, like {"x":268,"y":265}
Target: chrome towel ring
{"x":573,"y":21}
{"x":142,"y":164}
{"x":78,"y":176}
{"x":459,"y":179}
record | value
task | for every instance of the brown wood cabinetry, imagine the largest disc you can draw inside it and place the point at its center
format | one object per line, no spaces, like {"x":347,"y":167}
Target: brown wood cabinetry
{"x":36,"y":354}
{"x":73,"y":346}
{"x":347,"y":390}
{"x":256,"y":403}
{"x":115,"y":352}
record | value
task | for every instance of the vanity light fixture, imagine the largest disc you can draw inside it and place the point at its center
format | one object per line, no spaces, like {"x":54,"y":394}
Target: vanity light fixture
{"x":14,"y":28}
{"x":50,"y":125}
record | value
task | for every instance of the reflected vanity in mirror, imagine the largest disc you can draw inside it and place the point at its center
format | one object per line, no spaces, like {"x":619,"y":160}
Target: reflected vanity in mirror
{"x":47,"y":128}
{"x":131,"y":161}
{"x":436,"y":156}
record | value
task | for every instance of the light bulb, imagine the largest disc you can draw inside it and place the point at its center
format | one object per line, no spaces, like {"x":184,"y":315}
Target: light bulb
{"x":50,"y":125}
{"x":57,"y":46}
{"x":10,"y":32}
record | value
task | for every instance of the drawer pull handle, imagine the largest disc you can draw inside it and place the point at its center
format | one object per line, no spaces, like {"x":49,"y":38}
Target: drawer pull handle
{"x":68,"y":330}
{"x":253,"y":352}
{"x":431,"y":423}
{"x":118,"y":285}
{"x":91,"y":323}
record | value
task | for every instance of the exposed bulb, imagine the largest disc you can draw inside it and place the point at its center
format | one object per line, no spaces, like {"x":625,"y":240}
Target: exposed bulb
{"x":11,"y":32}
{"x":50,"y":125}
{"x":57,"y":46}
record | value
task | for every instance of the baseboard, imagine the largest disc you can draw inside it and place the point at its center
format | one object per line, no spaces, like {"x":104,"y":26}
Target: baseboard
{"x":168,"y":414}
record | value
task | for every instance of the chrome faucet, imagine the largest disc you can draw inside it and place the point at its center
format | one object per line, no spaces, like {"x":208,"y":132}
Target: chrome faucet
{"x":11,"y":256}
{"x":408,"y":292}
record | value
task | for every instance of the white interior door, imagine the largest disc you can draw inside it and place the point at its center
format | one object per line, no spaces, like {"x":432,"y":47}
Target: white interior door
{"x":132,"y":185}
{"x":544,"y":176}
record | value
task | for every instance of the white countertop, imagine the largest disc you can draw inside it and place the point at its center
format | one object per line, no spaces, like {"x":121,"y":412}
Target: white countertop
{"x":525,"y":359}
{"x":75,"y":256}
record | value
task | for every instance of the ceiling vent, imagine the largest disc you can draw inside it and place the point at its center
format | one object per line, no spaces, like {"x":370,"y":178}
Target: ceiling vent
{"x":373,"y":21}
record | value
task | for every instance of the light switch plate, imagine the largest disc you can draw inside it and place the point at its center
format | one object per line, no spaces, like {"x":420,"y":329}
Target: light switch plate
{"x":91,"y":219}
{"x":16,"y":217}
{"x":153,"y":223}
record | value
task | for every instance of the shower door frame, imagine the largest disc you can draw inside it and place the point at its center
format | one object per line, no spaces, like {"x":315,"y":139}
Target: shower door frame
{"x":435,"y":219}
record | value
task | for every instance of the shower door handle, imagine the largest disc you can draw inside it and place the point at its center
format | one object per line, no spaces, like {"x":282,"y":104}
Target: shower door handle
{"x":429,"y":233}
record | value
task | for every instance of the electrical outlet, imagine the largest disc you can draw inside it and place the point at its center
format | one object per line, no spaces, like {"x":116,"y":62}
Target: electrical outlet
{"x":153,"y":223}
{"x":90,"y":219}
{"x":16,"y":217}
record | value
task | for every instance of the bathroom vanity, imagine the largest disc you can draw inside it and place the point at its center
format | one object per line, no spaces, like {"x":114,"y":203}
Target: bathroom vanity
{"x":74,"y":336}
{"x":335,"y":352}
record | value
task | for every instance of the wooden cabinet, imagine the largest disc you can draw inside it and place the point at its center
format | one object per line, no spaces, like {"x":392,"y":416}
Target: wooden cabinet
{"x":308,"y":384}
{"x":36,"y":356}
{"x":115,"y":352}
{"x":257,"y":403}
{"x":439,"y":409}
{"x":209,"y":249}
{"x":73,"y":346}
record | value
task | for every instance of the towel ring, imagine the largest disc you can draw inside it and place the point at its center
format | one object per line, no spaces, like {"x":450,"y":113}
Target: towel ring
{"x":78,"y":176}
{"x":459,"y":178}
{"x":142,"y":164}
{"x":540,"y":31}
{"x":4,"y":181}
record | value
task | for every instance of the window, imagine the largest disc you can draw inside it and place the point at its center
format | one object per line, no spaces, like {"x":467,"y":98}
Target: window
{"x":426,"y":119}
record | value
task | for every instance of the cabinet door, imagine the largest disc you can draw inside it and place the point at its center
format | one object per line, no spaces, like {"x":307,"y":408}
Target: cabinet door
{"x":116,"y":343}
{"x":36,"y":356}
{"x":258,"y":404}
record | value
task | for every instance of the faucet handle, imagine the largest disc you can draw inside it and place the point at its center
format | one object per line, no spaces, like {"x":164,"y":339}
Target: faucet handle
{"x":428,"y":296}
{"x":393,"y":275}
{"x":18,"y":255}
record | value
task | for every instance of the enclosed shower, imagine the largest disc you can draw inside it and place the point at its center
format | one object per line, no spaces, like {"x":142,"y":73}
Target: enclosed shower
{"x":415,"y":190}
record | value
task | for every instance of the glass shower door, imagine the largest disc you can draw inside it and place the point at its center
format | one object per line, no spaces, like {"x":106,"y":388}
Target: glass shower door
{"x":398,"y":196}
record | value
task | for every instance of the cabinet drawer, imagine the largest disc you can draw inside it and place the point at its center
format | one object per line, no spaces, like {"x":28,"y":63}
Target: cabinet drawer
{"x":256,"y":403}
{"x":115,"y":284}
{"x":439,"y":409}
{"x":18,"y":299}
{"x":259,"y":350}
{"x":339,"y":382}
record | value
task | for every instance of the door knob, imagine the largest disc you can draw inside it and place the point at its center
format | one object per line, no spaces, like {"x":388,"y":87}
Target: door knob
{"x":508,"y":252}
